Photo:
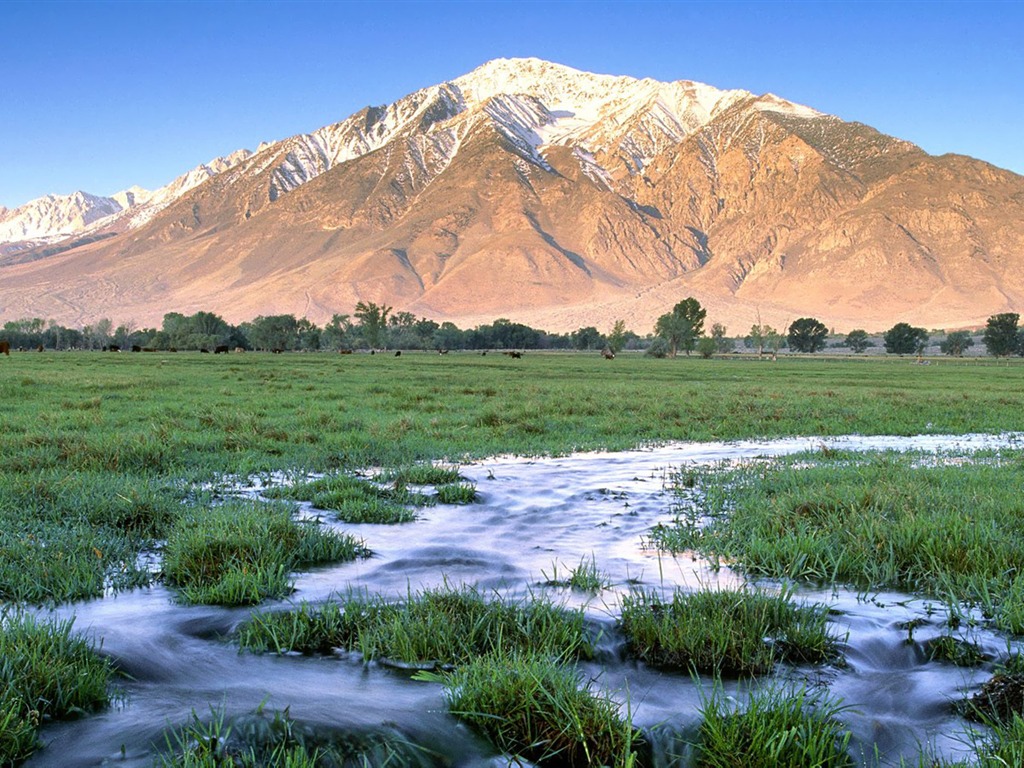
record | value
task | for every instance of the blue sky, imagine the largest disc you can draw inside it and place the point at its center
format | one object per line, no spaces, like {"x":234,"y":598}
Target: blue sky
{"x":102,"y":95}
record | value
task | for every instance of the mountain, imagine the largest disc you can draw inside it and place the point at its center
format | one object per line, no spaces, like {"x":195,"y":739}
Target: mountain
{"x":560,"y":198}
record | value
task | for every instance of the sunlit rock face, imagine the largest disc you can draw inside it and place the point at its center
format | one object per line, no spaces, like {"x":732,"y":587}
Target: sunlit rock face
{"x":560,"y":198}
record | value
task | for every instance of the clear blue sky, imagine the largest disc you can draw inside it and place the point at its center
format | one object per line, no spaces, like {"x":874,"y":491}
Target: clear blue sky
{"x":102,"y":95}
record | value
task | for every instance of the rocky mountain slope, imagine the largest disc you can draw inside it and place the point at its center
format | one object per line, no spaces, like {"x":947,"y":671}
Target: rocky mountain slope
{"x":559,"y":198}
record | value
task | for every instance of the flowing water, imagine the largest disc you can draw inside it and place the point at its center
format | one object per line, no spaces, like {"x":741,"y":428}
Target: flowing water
{"x":537,"y":519}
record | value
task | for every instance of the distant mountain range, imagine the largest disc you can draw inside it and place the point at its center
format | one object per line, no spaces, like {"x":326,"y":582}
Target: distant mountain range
{"x":559,"y":198}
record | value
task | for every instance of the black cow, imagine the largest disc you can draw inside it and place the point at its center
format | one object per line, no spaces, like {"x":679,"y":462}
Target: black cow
{"x":5,"y":348}
{"x":220,"y":349}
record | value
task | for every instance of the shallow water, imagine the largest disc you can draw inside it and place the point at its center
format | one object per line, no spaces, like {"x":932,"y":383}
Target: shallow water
{"x":537,"y":519}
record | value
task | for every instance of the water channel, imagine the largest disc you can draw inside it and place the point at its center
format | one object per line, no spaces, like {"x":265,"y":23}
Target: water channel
{"x":536,"y":519}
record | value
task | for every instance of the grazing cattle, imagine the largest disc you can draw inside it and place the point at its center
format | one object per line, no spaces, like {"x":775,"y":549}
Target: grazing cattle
{"x":398,"y":353}
{"x":239,"y":349}
{"x":204,"y":351}
{"x":514,"y":354}
{"x":39,"y":348}
{"x":483,"y":354}
{"x":607,"y":354}
{"x":112,"y":348}
{"x":442,"y":351}
{"x":220,"y":349}
{"x":5,"y":348}
{"x":344,"y":351}
{"x":136,"y":348}
{"x":277,"y":351}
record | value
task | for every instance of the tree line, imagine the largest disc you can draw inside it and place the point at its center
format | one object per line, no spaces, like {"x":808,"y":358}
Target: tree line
{"x":682,"y":329}
{"x":378,"y":326}
{"x":370,"y":326}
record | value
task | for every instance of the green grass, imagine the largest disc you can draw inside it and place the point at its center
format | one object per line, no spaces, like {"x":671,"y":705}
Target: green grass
{"x":436,"y":627}
{"x":241,"y":553}
{"x":421,"y":474}
{"x":725,"y":632}
{"x":46,"y":672}
{"x":777,"y":727}
{"x":535,"y":708}
{"x":584,"y":577}
{"x":457,"y":493}
{"x":276,"y":740}
{"x":953,"y":530}
{"x":354,"y":499}
{"x":114,"y":442}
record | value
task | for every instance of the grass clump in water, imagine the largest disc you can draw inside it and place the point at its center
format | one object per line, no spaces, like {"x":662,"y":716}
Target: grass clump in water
{"x":45,"y":672}
{"x":241,"y":553}
{"x":457,"y":493}
{"x":534,"y":708}
{"x":585,"y":577}
{"x":422,"y":474}
{"x":437,"y":627}
{"x":261,"y":741}
{"x":955,"y":650}
{"x":355,"y":500}
{"x":778,"y":727}
{"x":946,"y":528}
{"x":733,"y":632}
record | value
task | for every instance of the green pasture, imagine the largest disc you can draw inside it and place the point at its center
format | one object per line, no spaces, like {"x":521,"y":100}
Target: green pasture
{"x":107,"y":458}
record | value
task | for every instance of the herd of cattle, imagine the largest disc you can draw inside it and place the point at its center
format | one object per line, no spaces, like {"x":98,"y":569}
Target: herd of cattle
{"x":223,"y":349}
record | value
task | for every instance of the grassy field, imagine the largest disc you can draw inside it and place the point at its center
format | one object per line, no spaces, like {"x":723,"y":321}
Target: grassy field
{"x":106,"y":456}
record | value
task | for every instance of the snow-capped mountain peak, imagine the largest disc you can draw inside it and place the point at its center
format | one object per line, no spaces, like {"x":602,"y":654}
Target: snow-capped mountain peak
{"x":533,"y":103}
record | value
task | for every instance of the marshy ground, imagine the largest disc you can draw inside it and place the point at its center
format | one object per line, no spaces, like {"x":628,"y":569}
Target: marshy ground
{"x":115,"y":462}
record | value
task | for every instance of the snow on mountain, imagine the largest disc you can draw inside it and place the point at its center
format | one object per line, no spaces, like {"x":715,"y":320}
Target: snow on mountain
{"x":55,"y":216}
{"x":532,"y":103}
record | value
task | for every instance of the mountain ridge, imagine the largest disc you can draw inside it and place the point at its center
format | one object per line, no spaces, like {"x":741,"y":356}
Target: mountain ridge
{"x":531,"y":190}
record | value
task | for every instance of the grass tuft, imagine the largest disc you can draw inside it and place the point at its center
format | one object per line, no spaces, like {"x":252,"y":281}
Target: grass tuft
{"x":45,"y":672}
{"x":778,"y":727}
{"x":732,"y":632}
{"x":241,"y":553}
{"x":437,"y":627}
{"x":535,"y":708}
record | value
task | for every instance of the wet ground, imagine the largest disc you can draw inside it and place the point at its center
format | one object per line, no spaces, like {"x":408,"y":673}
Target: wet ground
{"x":537,"y":519}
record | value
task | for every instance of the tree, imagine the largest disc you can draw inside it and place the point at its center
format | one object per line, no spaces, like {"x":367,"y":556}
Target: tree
{"x":807,"y":334}
{"x":657,"y":348}
{"x":587,"y":338}
{"x":617,"y":337}
{"x":337,"y":334}
{"x":373,"y":321}
{"x":706,"y":347}
{"x":956,"y":343}
{"x":274,"y":332}
{"x":723,"y":344}
{"x":905,"y":339}
{"x":1000,"y":337}
{"x":857,"y":340}
{"x":682,"y":326}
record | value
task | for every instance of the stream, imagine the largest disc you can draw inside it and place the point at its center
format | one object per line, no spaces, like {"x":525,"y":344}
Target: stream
{"x":536,"y":520}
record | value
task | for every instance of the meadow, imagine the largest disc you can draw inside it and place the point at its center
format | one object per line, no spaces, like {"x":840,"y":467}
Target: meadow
{"x":116,"y":469}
